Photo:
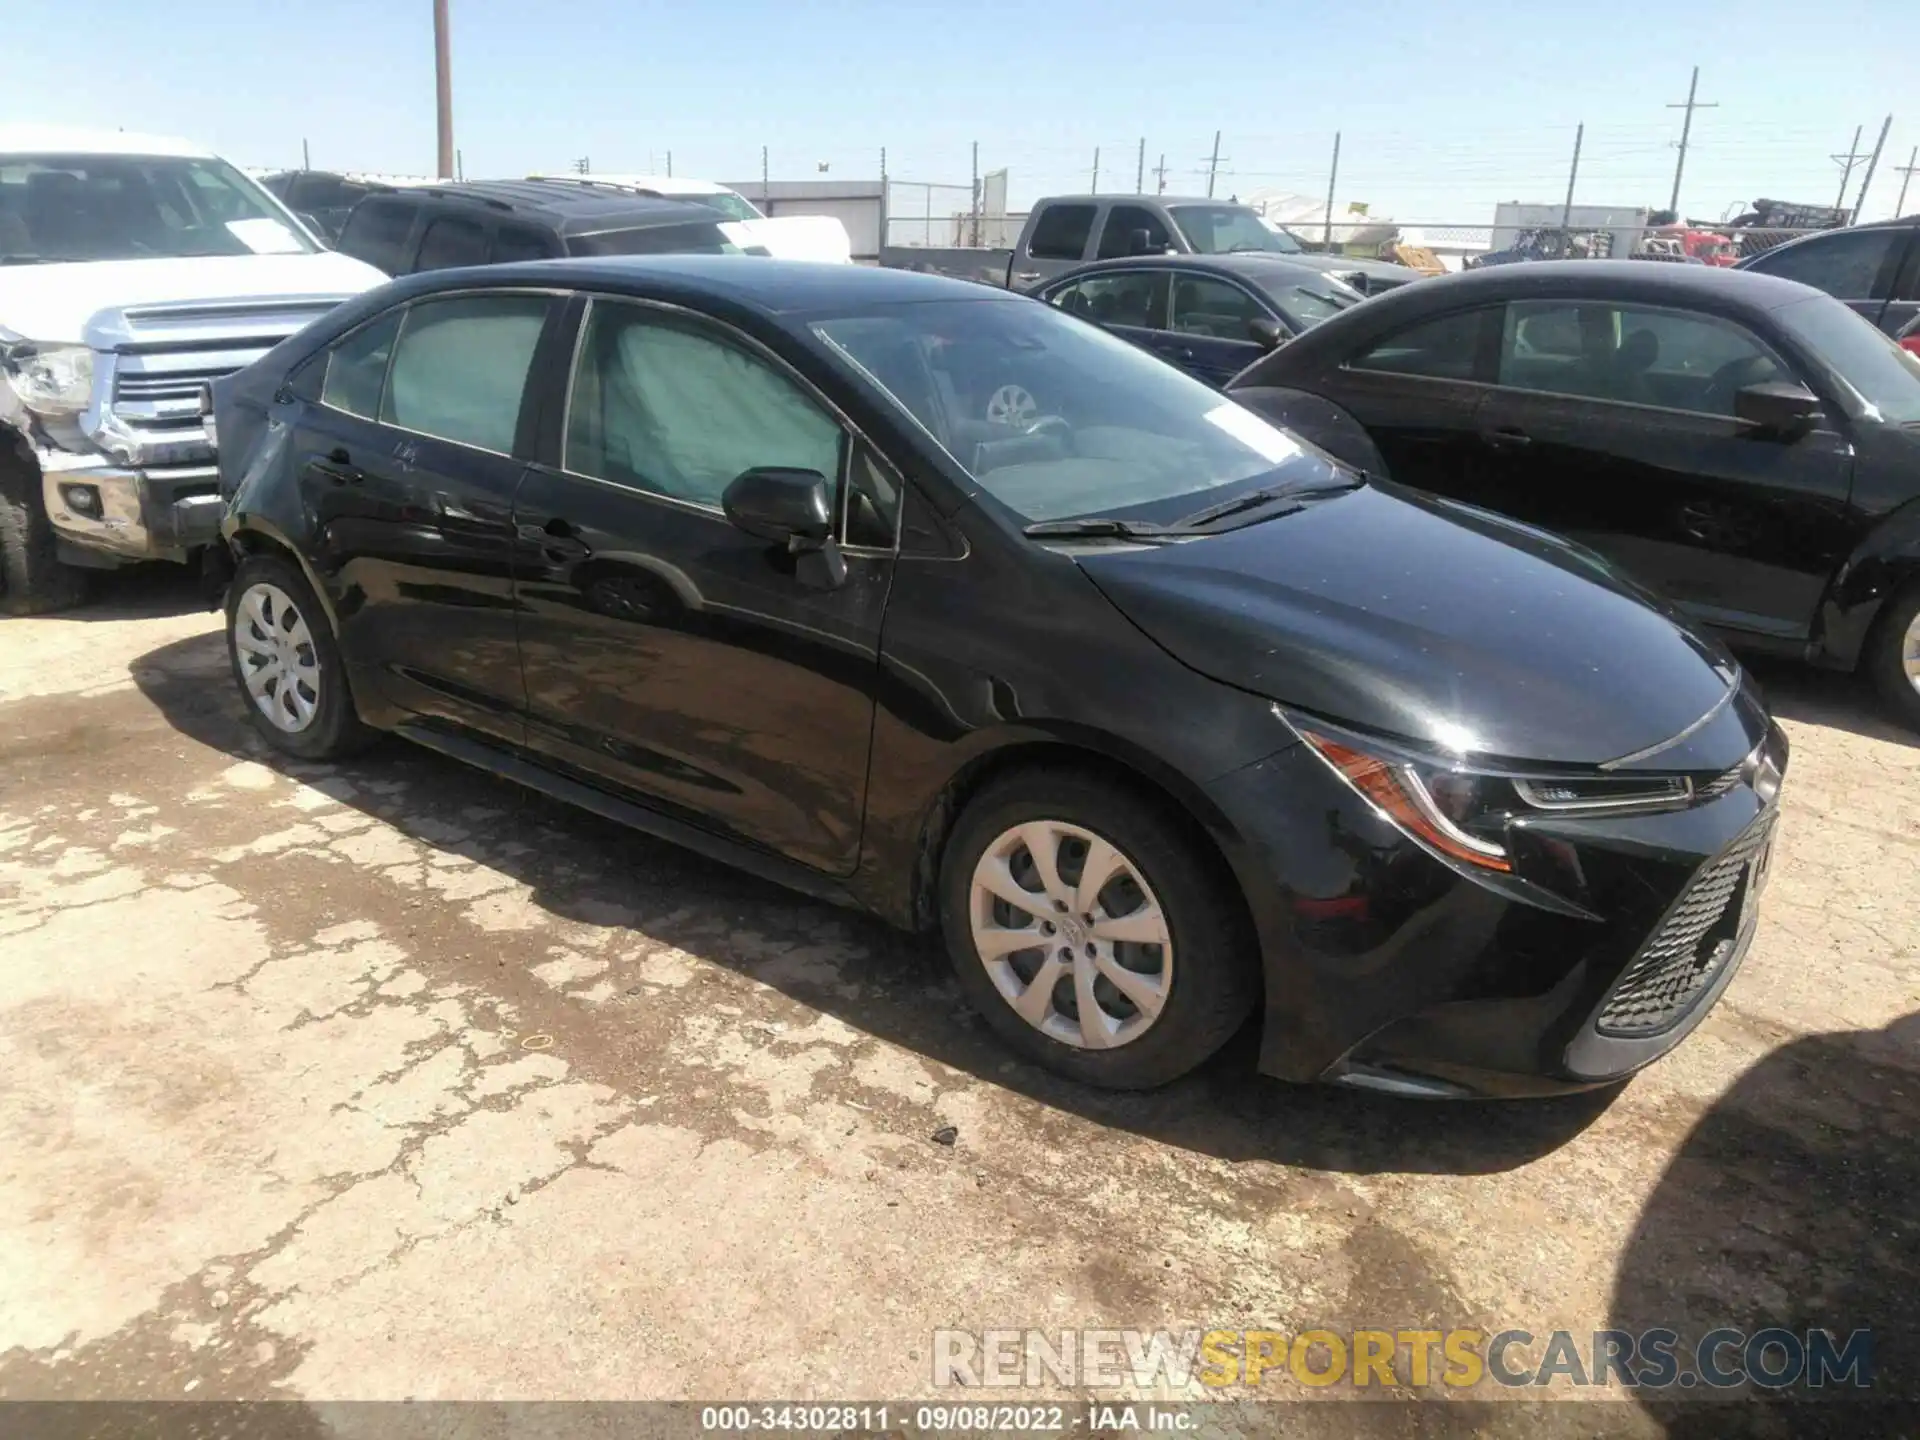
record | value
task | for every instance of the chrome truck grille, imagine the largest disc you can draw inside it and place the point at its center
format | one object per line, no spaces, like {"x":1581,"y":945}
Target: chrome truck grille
{"x":1697,"y":940}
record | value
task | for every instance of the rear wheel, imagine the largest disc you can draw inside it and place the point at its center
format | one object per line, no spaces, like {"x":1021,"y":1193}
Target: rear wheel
{"x":32,"y":579}
{"x":1088,"y":928}
{"x":1894,"y":656}
{"x":287,"y":664}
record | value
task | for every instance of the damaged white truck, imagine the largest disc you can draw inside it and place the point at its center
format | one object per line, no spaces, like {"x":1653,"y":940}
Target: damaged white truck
{"x":133,"y":272}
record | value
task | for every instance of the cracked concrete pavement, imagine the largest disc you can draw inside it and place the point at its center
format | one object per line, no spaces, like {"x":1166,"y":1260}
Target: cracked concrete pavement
{"x":388,"y":1080}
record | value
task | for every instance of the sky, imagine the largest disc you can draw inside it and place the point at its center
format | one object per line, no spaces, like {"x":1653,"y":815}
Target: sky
{"x":1443,"y":109}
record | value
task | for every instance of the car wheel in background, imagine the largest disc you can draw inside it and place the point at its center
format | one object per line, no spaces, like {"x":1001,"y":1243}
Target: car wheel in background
{"x":1089,"y":928}
{"x":32,"y":579}
{"x":286,"y":663}
{"x":1893,"y":656}
{"x":1012,"y":405}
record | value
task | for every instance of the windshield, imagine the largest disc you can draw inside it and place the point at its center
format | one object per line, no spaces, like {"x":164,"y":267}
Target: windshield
{"x":726,"y":202}
{"x":1885,"y":377}
{"x":1055,"y":418}
{"x":60,"y":208}
{"x":1304,"y":303}
{"x":1223,"y":229}
{"x":698,"y":238}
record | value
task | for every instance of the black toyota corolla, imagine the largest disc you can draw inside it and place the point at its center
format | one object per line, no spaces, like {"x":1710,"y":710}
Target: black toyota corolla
{"x":1157,"y":715}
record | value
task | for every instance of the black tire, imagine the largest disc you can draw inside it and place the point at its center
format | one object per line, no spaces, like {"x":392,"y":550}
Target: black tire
{"x":1214,"y":974}
{"x":335,"y":729}
{"x":32,"y":579}
{"x":1886,"y":655}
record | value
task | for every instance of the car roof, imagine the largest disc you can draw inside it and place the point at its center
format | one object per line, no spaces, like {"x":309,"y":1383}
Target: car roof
{"x":1602,"y":279}
{"x":773,"y":287}
{"x":567,"y":209}
{"x":660,"y":184}
{"x":1109,"y":198}
{"x":78,"y":140}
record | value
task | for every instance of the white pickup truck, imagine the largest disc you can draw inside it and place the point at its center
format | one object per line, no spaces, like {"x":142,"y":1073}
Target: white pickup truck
{"x":133,"y":271}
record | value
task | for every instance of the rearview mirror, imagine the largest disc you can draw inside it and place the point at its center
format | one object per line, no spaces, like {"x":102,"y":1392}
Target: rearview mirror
{"x":792,"y":508}
{"x":1267,"y":331}
{"x":1777,"y":408}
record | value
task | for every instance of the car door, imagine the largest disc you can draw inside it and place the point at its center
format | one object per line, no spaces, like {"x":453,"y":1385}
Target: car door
{"x":1614,"y":424}
{"x":1857,"y":266}
{"x":1058,"y":240}
{"x":669,"y":655}
{"x":1417,"y":390}
{"x":1903,"y":304}
{"x":1209,"y":324}
{"x":1130,"y":303}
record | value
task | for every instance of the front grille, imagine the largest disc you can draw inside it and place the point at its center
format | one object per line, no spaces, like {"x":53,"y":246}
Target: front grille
{"x":153,"y":386}
{"x":1693,"y":945}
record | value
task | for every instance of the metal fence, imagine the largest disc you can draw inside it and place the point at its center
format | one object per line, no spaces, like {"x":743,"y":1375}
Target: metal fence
{"x":929,"y":215}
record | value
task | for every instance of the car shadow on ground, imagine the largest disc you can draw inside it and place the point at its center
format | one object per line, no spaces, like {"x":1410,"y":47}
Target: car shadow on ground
{"x":905,"y":991}
{"x":1791,"y":1204}
{"x":139,"y":592}
{"x":1825,"y":697}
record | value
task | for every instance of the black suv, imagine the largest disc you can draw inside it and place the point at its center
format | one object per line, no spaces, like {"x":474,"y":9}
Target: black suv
{"x":1874,"y":268}
{"x":491,"y":222}
{"x":323,"y":198}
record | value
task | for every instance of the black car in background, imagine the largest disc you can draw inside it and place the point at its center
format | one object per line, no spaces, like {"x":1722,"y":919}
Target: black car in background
{"x":1157,"y":715}
{"x":1747,"y":446}
{"x":1874,"y":268}
{"x":323,"y":198}
{"x":496,"y":222}
{"x":1209,"y":315}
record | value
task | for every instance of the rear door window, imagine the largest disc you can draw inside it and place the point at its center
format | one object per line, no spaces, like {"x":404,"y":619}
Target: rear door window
{"x":377,"y":233}
{"x":521,"y":242}
{"x":1136,"y":298}
{"x":452,"y":240}
{"x":357,"y":368}
{"x":1061,"y":232}
{"x":1445,"y":348}
{"x":460,"y":368}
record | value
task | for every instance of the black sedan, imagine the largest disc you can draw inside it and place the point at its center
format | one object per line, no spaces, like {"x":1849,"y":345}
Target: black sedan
{"x":1210,"y":315}
{"x":1748,"y":446}
{"x":1158,"y":716}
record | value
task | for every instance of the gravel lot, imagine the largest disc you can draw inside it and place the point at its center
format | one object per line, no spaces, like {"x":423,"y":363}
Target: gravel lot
{"x":389,"y":1080}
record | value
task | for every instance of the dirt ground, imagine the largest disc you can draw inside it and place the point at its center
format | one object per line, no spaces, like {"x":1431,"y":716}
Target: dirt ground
{"x":388,"y":1080}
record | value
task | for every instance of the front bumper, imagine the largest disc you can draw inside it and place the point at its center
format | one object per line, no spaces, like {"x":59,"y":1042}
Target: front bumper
{"x":136,"y":513}
{"x":1387,"y":970}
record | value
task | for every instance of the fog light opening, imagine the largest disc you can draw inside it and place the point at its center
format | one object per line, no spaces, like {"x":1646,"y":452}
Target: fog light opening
{"x":82,"y":500}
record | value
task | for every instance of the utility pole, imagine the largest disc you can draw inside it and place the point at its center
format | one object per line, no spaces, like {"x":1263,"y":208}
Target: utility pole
{"x":1160,"y":175}
{"x":1333,"y":178}
{"x":306,"y":156}
{"x":1846,"y":163}
{"x":1573,"y":174}
{"x":1873,"y":163}
{"x":582,"y":166}
{"x":459,"y":166}
{"x":974,"y":227}
{"x":1213,"y":165}
{"x":443,"y":87}
{"x":883,"y":171}
{"x":763,"y":177}
{"x":1906,"y":175}
{"x":669,"y":164}
{"x":1686,"y":132}
{"x":1096,"y":171}
{"x":1140,"y":169}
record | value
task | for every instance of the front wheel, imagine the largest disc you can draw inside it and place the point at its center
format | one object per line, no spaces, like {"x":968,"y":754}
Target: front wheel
{"x":1894,"y":657}
{"x":33,"y":581}
{"x":287,"y":664}
{"x":1089,"y":930}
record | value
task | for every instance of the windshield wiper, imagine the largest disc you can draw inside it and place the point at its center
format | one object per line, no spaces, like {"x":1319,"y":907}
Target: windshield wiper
{"x":24,"y":260}
{"x":1097,"y":527}
{"x":1255,"y":499}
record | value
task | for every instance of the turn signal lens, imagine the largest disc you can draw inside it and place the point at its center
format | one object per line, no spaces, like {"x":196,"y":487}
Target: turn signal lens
{"x":1420,"y":809}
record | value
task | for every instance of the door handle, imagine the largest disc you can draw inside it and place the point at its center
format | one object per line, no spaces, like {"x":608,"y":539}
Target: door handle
{"x":339,"y":467}
{"x":557,"y":537}
{"x":1507,"y":437}
{"x":1028,"y":275}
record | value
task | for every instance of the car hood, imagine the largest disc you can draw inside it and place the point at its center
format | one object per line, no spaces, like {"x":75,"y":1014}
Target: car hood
{"x":1402,"y":615}
{"x":53,"y":303}
{"x":795,"y":237}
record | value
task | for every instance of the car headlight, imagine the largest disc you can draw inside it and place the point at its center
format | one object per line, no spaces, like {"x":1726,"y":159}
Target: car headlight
{"x":1462,"y":814}
{"x":49,"y":379}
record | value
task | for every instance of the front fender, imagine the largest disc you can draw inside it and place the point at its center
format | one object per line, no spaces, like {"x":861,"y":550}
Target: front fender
{"x":1883,"y":565}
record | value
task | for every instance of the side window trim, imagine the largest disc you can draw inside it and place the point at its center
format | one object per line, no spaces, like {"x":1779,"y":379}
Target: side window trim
{"x":327,"y":352}
{"x":852,"y":437}
{"x":1486,"y":347}
{"x":1232,"y":282}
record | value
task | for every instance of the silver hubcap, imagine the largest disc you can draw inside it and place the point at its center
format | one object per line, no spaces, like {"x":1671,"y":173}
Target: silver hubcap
{"x":1910,"y":652}
{"x":277,"y":659}
{"x":1012,"y":405}
{"x":1071,"y":935}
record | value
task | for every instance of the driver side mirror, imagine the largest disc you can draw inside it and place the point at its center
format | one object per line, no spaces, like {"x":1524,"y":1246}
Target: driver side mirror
{"x":1777,"y":410}
{"x":1140,"y":242}
{"x":793,"y":508}
{"x":1267,"y":331}
{"x":314,"y":227}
